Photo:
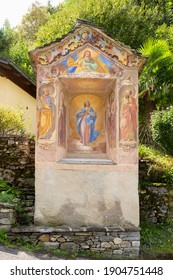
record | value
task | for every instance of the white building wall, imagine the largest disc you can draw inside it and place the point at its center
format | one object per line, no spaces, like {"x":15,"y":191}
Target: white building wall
{"x":14,"y":96}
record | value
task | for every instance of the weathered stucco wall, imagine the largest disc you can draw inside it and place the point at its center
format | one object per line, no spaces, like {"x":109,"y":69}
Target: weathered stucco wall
{"x":86,"y":195}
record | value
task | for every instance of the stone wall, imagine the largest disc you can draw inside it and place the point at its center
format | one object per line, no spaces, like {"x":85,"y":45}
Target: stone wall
{"x":156,"y":199}
{"x":112,"y":242}
{"x":156,"y":202}
{"x":7,"y":216}
{"x":17,"y":167}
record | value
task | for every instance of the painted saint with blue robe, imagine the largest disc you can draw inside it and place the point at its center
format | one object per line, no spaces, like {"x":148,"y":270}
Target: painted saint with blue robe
{"x":86,"y":118}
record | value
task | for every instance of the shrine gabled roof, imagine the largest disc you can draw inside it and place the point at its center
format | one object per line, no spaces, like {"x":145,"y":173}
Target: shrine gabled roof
{"x":86,"y":33}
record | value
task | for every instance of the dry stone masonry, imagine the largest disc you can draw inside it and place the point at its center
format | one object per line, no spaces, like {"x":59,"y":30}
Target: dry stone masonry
{"x":17,"y":167}
{"x":109,"y":242}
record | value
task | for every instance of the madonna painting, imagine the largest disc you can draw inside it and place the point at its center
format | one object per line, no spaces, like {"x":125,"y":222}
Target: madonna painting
{"x":86,"y":125}
{"x":86,"y":118}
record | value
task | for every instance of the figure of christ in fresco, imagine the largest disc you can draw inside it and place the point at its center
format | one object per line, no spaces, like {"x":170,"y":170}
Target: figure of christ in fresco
{"x":45,"y":114}
{"x":86,"y":64}
{"x":128,"y":117}
{"x":86,"y":118}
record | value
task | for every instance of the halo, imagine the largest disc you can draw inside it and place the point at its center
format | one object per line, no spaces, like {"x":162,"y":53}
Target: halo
{"x":87,"y":49}
{"x":44,"y":86}
{"x":125,"y":87}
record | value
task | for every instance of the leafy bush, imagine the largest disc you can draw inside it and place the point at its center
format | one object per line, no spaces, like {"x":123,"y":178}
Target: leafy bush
{"x":11,"y":121}
{"x":8,"y":194}
{"x":162,"y":128}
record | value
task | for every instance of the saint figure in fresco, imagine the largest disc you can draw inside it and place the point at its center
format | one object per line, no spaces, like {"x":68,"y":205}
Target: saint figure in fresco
{"x":45,"y":114}
{"x":86,"y":63}
{"x":128,"y":117}
{"x":86,"y":118}
{"x":111,"y":121}
{"x":62,"y":122}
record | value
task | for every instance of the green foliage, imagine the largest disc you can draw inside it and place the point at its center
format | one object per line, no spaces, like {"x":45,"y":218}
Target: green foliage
{"x":19,"y":55}
{"x":7,"y":197}
{"x":165,"y":8}
{"x":160,"y":166}
{"x":166,"y":33}
{"x":157,"y":240}
{"x":157,"y":75}
{"x":35,"y":17}
{"x":21,"y":215}
{"x":3,"y":237}
{"x":11,"y":121}
{"x":6,"y":39}
{"x":123,"y":20}
{"x":8,"y":194}
{"x":162,"y":128}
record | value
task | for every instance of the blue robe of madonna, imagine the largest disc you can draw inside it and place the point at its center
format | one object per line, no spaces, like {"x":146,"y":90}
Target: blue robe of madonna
{"x":90,"y":121}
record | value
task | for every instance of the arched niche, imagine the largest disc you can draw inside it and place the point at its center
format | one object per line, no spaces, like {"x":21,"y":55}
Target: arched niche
{"x":102,"y":97}
{"x":86,"y":126}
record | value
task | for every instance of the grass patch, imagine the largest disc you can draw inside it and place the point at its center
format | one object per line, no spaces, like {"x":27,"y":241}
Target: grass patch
{"x":157,"y":240}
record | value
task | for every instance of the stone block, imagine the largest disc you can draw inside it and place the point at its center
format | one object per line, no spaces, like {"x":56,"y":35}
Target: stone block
{"x":125,"y":244}
{"x":7,"y":217}
{"x":83,"y":233}
{"x":61,"y":239}
{"x":62,"y":229}
{"x":117,"y":252}
{"x":115,"y":246}
{"x":52,"y":239}
{"x":135,"y":235}
{"x":85,"y":246}
{"x":96,"y":229}
{"x":98,"y":250}
{"x":44,"y":238}
{"x":89,"y":242}
{"x":6,"y":227}
{"x":106,"y":238}
{"x":105,"y":245}
{"x":131,"y":251}
{"x":117,"y":240}
{"x":45,"y":229}
{"x":78,"y":238}
{"x":100,"y":233}
{"x":51,"y":244}
{"x":114,"y":229}
{"x":69,"y":246}
{"x":136,"y":244}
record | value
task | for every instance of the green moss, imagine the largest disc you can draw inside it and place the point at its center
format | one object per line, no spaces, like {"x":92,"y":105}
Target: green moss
{"x":159,"y":166}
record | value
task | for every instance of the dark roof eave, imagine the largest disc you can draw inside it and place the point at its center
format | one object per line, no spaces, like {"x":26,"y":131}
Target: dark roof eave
{"x":17,"y":76}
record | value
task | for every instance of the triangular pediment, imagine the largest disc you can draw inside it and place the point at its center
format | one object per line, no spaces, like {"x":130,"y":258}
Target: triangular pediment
{"x":88,"y":61}
{"x":85,"y":35}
